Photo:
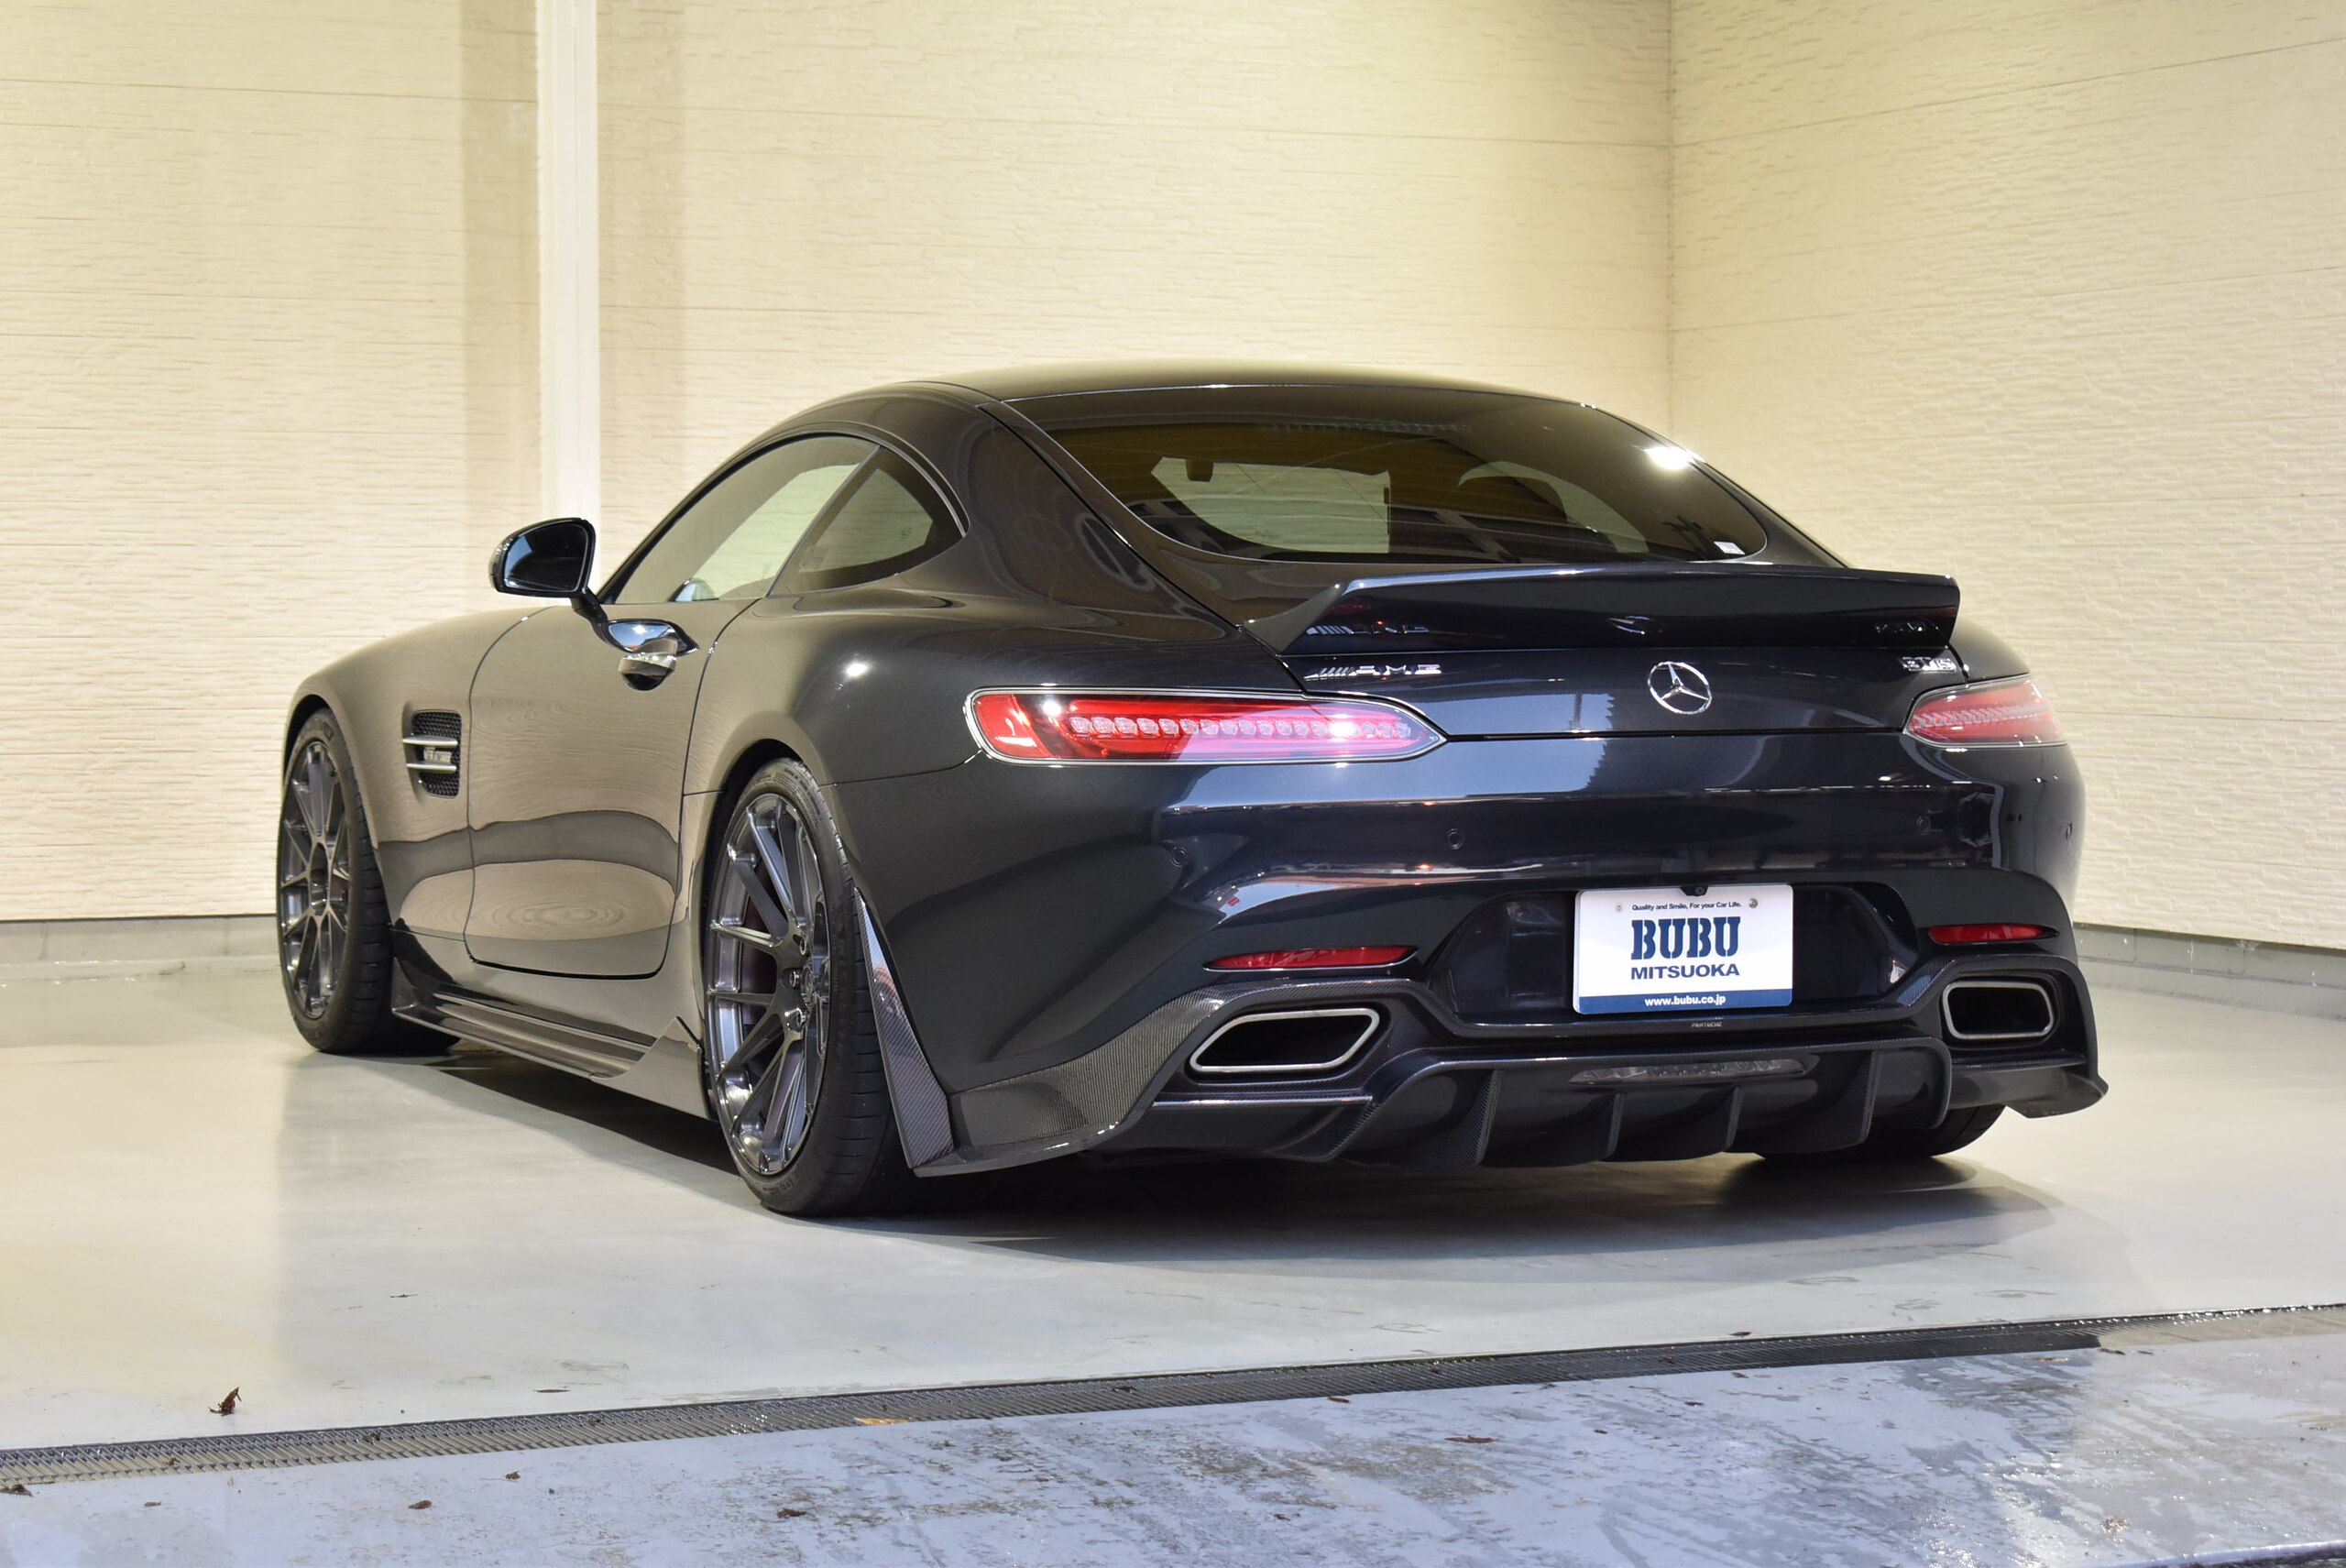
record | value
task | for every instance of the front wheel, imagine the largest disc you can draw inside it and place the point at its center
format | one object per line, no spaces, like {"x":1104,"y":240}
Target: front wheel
{"x":791,"y":1053}
{"x":334,"y":932}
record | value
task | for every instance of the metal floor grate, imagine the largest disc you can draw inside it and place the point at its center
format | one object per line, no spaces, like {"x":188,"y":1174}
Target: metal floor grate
{"x":2319,"y":1554}
{"x":498,"y":1434}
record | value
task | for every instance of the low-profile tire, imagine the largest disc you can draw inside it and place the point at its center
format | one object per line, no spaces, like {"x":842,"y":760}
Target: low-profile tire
{"x":1889,"y":1146}
{"x":333,"y":930}
{"x":791,"y":1051}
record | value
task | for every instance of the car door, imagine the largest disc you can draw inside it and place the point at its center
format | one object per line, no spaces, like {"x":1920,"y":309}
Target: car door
{"x":577,"y":748}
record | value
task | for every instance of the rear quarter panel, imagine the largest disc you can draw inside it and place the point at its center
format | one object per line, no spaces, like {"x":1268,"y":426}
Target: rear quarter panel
{"x":869,"y":682}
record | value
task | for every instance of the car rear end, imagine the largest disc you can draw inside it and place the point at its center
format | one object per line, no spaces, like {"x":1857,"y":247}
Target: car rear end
{"x":1585,"y":810}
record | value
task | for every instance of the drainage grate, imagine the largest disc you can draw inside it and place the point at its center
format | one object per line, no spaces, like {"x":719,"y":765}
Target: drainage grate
{"x":498,"y":1434}
{"x":2320,"y":1555}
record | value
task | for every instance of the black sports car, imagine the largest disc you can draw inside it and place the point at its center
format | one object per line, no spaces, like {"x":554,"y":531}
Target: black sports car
{"x":1193,"y":760}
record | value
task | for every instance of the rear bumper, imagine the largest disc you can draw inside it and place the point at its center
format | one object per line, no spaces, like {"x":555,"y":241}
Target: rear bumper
{"x":1049,"y":928}
{"x":1433,"y":1091}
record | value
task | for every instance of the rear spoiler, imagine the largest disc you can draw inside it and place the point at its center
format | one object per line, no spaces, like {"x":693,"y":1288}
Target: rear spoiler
{"x":1691,"y":605}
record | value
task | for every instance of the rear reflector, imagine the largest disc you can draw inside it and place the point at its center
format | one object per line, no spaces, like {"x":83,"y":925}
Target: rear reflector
{"x":1168,"y":727}
{"x":1995,"y":713}
{"x":1693,"y":1072}
{"x":1971,"y":936}
{"x":1314,"y":957}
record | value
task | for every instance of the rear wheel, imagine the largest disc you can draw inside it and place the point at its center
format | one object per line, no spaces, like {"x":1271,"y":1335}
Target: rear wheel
{"x":333,"y":933}
{"x":1888,"y":1146}
{"x":791,"y":1054}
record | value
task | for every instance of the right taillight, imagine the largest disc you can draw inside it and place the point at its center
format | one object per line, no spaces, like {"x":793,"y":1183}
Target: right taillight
{"x":1993,"y":713}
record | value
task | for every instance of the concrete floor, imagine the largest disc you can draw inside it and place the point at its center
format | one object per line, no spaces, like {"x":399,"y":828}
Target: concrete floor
{"x":197,"y":1203}
{"x":2084,"y":1460}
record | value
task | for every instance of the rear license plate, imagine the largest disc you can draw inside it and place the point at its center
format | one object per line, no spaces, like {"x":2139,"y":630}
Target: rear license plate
{"x":1660,"y":949}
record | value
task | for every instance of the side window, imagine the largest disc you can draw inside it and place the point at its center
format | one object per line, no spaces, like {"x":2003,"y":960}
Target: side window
{"x":890,"y":518}
{"x":730,"y":543}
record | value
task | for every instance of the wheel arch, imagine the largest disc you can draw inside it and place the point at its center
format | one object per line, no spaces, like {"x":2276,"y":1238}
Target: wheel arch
{"x":746,"y":762}
{"x":372,"y":779}
{"x":752,"y":756}
{"x":306,"y":707}
{"x":924,"y":1127}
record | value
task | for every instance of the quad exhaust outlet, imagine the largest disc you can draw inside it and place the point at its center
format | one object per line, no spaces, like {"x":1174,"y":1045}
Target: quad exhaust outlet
{"x":1998,"y":1011}
{"x":1298,"y":1043}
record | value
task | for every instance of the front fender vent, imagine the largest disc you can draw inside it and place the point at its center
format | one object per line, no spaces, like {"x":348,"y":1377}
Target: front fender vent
{"x":434,"y":748}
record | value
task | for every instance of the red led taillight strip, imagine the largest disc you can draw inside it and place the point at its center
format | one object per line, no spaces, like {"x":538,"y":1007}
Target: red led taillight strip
{"x":1174,"y":726}
{"x":1995,"y":713}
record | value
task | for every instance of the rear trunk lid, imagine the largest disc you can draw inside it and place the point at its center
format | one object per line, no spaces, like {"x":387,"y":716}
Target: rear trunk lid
{"x":1599,"y":650}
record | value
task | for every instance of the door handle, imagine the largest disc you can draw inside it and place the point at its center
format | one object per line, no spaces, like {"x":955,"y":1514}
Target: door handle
{"x":648,"y":649}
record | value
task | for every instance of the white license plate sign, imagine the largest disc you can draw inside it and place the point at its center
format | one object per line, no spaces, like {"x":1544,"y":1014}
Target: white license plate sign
{"x":1661,"y":949}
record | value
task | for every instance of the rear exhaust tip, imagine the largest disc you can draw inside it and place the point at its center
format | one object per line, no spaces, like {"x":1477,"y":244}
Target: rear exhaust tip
{"x":1997,"y":1012}
{"x":1296,"y":1044}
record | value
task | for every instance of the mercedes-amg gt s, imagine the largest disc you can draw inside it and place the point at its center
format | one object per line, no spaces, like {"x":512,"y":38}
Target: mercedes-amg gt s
{"x":1200,"y":760}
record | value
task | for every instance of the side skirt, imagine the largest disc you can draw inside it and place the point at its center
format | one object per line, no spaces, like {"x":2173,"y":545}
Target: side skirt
{"x":667,"y":1069}
{"x":573,"y":1046}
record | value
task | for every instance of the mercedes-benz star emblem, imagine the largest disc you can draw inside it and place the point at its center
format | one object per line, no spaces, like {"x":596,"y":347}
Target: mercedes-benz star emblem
{"x":1681,"y":688}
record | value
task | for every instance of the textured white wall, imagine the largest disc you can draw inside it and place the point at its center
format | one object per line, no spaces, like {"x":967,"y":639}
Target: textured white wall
{"x":801,"y":199}
{"x":266,"y":380}
{"x":2047,"y":295}
{"x":2051,"y":294}
{"x":267,"y":294}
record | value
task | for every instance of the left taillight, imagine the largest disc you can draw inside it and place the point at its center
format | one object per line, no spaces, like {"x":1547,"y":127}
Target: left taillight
{"x":1177,"y":727}
{"x":1993,"y":713}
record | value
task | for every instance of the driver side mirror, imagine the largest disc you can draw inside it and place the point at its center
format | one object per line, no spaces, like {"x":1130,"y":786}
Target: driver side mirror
{"x":546,"y":560}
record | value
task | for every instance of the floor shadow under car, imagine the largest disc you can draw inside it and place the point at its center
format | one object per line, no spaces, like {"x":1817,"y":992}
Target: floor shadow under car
{"x":1235,"y":1209}
{"x":1195,"y":1211}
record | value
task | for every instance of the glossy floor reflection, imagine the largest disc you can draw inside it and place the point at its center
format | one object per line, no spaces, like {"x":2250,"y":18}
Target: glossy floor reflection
{"x":196,"y":1202}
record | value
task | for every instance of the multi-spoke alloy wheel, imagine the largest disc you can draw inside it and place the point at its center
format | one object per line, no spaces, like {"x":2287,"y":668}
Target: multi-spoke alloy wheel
{"x":769,"y":977}
{"x":334,"y":936}
{"x":313,"y":878}
{"x":791,"y":1054}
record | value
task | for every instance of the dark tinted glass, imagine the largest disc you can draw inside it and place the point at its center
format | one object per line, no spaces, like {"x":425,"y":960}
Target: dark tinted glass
{"x":890,"y":519}
{"x":1394,"y":475}
{"x":731,"y":542}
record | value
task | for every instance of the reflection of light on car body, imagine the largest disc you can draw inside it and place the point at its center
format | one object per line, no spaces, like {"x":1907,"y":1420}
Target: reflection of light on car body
{"x":965,"y":769}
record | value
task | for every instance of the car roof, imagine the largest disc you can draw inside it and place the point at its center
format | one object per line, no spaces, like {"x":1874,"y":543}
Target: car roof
{"x":1012,"y":384}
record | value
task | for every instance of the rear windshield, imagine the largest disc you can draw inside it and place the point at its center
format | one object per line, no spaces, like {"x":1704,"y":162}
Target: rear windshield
{"x":1364,"y":474}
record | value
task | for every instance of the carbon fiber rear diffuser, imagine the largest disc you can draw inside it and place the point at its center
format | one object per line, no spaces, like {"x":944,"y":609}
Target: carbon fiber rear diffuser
{"x":498,"y":1434}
